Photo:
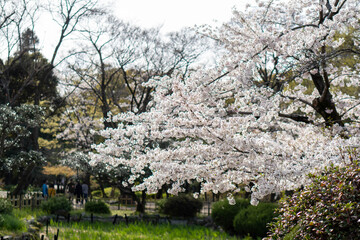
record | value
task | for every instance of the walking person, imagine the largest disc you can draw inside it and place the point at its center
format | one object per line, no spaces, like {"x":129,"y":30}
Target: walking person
{"x":85,"y":192}
{"x":71,"y":190}
{"x":78,"y":191}
{"x":45,"y":192}
{"x":51,"y":190}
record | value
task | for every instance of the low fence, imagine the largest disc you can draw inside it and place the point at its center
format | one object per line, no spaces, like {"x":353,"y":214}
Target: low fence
{"x":27,"y":200}
{"x":151,"y":207}
{"x":127,"y":203}
{"x":34,"y":200}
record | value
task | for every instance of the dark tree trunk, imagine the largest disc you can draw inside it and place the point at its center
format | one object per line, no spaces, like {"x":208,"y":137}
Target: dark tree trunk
{"x":24,"y":180}
{"x":140,"y":202}
{"x":324,"y":104}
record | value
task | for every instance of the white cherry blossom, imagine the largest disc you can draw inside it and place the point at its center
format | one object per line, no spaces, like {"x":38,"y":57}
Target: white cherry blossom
{"x":251,"y":122}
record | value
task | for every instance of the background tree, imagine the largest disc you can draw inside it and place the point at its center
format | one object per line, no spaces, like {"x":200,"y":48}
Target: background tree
{"x":27,"y":77}
{"x":15,"y":129}
{"x":114,"y":67}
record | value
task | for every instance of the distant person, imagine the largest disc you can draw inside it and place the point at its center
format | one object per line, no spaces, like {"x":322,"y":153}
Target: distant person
{"x":62,"y":185}
{"x":52,"y":191}
{"x":78,"y":192}
{"x":45,"y":192}
{"x":85,"y":192}
{"x":71,"y":190}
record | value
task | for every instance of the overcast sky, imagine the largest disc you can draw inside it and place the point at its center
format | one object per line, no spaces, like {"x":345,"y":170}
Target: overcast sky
{"x":174,"y":14}
{"x":171,"y":15}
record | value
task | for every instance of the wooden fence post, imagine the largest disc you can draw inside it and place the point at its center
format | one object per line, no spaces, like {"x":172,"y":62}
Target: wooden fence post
{"x":115,"y":219}
{"x":209,"y":207}
{"x":126,"y":220}
{"x":57,"y":235}
{"x":32,"y":201}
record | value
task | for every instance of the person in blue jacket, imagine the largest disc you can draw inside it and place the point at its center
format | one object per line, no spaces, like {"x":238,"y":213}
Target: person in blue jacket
{"x":45,"y":192}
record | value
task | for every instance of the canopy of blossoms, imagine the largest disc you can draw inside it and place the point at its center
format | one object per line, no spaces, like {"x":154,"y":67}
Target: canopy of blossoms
{"x":273,"y":110}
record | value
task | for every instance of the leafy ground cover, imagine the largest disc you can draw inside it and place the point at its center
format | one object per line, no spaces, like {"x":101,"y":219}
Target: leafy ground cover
{"x":11,"y":225}
{"x":85,"y":230}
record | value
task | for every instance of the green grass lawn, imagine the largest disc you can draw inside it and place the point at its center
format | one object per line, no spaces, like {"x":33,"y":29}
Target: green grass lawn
{"x":85,"y":230}
{"x":15,"y":224}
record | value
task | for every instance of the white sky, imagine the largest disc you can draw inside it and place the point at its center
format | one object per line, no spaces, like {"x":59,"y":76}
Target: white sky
{"x":172,"y":15}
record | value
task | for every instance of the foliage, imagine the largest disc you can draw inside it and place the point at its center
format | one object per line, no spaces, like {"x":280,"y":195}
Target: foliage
{"x":96,"y":194}
{"x":16,"y":125}
{"x":56,"y":204}
{"x":181,"y":206}
{"x":34,"y":68}
{"x":160,"y":204}
{"x":253,"y":220}
{"x":2,"y":220}
{"x":97,"y":207}
{"x":11,"y":223}
{"x":109,"y":191}
{"x":328,"y":208}
{"x":28,"y":213}
{"x":5,"y":206}
{"x":223,"y":213}
{"x":58,"y":170}
{"x":108,"y":231}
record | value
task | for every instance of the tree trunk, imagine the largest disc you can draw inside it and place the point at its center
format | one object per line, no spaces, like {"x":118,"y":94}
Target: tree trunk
{"x":324,"y":104}
{"x":140,"y":202}
{"x":112,"y":193}
{"x":24,"y":180}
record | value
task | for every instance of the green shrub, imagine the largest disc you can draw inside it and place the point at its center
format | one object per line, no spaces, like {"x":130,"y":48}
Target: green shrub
{"x":97,"y":207}
{"x":160,"y":204}
{"x":12,"y":223}
{"x":96,"y":193}
{"x":253,"y":220}
{"x":223,"y":213}
{"x":109,"y":190}
{"x":55,"y":205}
{"x":181,"y":206}
{"x":5,"y":206}
{"x":329,"y":208}
{"x":2,"y":221}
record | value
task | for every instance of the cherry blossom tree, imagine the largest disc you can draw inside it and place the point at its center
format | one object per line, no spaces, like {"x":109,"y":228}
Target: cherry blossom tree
{"x":114,"y":61}
{"x":268,"y":114}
